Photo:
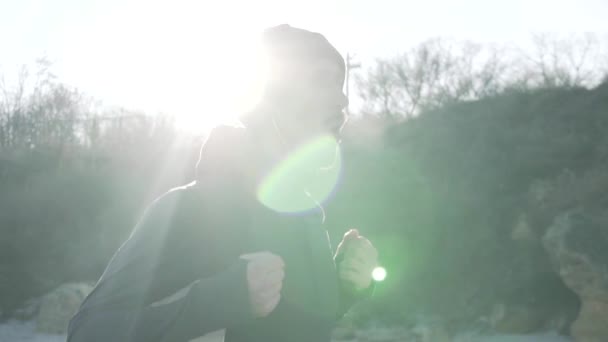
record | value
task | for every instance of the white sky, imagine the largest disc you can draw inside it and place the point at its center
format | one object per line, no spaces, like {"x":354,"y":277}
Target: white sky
{"x":184,"y":54}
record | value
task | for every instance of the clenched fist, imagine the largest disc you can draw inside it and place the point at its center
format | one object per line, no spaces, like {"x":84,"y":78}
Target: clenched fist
{"x":265,"y":273}
{"x":359,"y":258}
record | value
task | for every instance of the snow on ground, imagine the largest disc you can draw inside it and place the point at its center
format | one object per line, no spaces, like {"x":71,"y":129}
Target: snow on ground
{"x":17,"y":331}
{"x":547,"y":337}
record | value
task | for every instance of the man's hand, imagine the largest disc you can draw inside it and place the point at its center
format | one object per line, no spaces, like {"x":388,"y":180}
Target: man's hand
{"x":265,"y":273}
{"x":359,"y":258}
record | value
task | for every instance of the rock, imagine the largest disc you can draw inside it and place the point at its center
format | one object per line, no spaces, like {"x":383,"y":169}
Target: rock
{"x":431,"y":335}
{"x":430,"y":332}
{"x":591,"y":323}
{"x":59,"y":306}
{"x":216,"y":336}
{"x":515,"y":319}
{"x":344,"y":331}
{"x":522,"y":230}
{"x":384,"y":334}
{"x":28,"y":310}
{"x":579,"y":250}
{"x":533,"y":312}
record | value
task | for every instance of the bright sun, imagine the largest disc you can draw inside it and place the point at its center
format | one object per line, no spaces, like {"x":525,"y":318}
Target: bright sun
{"x":220,"y":79}
{"x":198,"y":61}
{"x":226,"y":85}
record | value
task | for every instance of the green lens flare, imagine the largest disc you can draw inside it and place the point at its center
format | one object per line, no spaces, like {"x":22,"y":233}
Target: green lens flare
{"x":379,"y":274}
{"x":305,"y":178}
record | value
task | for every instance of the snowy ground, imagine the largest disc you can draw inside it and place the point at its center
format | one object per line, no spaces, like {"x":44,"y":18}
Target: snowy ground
{"x":548,"y":337}
{"x":16,"y":331}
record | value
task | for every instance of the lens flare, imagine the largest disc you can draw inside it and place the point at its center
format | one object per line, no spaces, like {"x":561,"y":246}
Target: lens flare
{"x":305,"y":179}
{"x":379,"y":274}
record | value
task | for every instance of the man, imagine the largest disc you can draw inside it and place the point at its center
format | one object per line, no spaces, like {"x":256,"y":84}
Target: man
{"x":211,"y":256}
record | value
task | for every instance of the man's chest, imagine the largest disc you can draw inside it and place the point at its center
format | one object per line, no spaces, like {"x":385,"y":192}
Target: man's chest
{"x":310,"y":282}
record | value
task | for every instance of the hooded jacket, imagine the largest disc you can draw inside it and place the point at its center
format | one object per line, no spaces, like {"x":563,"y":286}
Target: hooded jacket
{"x":179,"y":275}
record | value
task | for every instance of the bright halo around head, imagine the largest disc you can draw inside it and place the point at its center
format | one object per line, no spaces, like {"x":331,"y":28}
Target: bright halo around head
{"x":226,"y":86}
{"x":198,"y":62}
{"x":305,"y":179}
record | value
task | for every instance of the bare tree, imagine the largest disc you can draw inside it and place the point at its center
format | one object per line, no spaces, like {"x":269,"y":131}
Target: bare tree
{"x":377,"y":88}
{"x":440,"y":71}
{"x":570,"y":61}
{"x":431,"y":74}
{"x":39,"y":111}
{"x":12,"y":108}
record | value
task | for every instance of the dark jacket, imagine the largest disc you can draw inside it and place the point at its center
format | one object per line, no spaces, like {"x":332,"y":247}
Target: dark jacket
{"x":179,"y":275}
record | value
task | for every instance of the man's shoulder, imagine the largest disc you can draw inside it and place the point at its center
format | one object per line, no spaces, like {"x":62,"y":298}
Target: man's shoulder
{"x":226,"y":139}
{"x":223,"y":145}
{"x":232,"y":131}
{"x":184,"y":199}
{"x":224,"y":155}
{"x":170,"y":203}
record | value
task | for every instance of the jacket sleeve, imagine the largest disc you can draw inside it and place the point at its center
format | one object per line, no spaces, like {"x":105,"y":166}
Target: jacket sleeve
{"x":203,"y":251}
{"x":196,"y":288}
{"x":208,"y":304}
{"x":178,"y":276}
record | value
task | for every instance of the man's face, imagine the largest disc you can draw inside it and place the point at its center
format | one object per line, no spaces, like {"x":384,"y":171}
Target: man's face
{"x":314,"y":94}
